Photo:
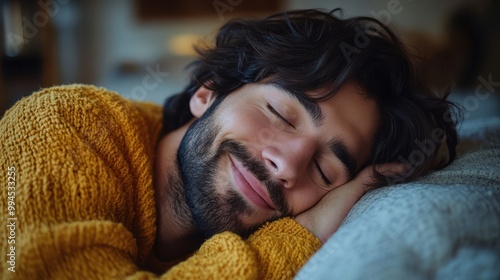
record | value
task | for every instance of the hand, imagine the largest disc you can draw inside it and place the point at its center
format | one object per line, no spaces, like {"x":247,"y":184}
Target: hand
{"x":324,"y":218}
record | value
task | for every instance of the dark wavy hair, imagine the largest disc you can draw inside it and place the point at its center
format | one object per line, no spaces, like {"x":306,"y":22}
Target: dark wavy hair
{"x":307,"y":50}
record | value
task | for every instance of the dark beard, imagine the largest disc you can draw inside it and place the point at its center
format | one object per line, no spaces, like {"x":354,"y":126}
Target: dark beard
{"x":211,"y":212}
{"x":175,"y":197}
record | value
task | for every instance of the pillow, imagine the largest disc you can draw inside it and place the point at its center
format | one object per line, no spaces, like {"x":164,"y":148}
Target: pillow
{"x":446,"y":225}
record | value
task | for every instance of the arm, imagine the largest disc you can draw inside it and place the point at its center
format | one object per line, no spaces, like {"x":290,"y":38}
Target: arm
{"x":276,"y":251}
{"x":325,"y":217}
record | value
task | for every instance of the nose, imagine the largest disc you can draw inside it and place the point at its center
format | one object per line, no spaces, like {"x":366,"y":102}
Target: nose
{"x":288,"y":159}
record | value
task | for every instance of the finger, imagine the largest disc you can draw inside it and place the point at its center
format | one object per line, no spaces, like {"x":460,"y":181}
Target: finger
{"x":368,"y":179}
{"x":391,"y":169}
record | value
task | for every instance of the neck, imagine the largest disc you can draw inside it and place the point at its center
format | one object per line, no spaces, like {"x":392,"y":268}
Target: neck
{"x":176,"y":235}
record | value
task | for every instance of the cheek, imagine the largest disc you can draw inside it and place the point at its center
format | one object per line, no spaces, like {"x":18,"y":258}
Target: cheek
{"x":247,"y":126}
{"x":241,"y":118}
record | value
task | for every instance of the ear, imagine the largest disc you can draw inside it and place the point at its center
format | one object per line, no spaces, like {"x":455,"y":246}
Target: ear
{"x":200,"y":101}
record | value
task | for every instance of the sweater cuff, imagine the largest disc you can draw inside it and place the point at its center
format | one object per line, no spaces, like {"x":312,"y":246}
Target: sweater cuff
{"x":287,"y":226}
{"x":282,"y":247}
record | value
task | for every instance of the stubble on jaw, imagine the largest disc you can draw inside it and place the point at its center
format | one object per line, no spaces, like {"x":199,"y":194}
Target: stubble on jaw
{"x":175,"y":199}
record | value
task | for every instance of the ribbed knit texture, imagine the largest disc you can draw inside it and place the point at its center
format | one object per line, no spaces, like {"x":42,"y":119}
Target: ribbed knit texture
{"x":83,"y":159}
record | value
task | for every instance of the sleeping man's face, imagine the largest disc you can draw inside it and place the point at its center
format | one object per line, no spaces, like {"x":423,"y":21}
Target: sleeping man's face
{"x":262,"y":154}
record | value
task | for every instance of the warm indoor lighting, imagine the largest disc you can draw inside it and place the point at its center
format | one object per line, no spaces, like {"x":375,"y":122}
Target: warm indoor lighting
{"x":182,"y":44}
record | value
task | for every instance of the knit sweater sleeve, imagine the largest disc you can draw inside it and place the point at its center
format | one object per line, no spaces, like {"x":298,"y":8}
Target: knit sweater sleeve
{"x":276,"y":251}
{"x":83,"y":197}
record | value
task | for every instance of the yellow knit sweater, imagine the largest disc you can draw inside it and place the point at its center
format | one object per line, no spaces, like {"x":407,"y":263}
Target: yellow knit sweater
{"x":77,"y":200}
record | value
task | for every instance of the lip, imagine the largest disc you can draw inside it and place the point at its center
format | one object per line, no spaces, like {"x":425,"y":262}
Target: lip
{"x":249,"y":186}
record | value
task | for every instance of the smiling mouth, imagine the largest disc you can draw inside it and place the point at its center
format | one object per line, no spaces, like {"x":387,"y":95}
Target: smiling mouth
{"x":249,"y":186}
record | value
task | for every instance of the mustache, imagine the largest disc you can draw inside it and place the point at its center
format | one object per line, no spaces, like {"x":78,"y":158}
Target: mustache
{"x":259,"y":171}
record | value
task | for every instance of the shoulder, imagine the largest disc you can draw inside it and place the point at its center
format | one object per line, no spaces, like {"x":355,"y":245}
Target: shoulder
{"x":85,"y":114}
{"x":54,"y":101}
{"x":75,"y":95}
{"x":81,"y":104}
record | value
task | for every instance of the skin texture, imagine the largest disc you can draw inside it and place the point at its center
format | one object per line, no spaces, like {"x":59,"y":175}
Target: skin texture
{"x":256,"y":158}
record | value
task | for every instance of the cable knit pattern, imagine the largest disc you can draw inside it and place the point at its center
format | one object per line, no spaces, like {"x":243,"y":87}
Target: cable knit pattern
{"x":83,"y":159}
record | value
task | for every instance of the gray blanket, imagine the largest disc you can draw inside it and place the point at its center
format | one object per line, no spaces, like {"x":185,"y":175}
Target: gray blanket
{"x":446,"y":225}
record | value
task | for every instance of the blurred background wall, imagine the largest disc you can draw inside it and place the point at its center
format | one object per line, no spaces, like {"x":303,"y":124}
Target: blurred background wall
{"x":140,"y":48}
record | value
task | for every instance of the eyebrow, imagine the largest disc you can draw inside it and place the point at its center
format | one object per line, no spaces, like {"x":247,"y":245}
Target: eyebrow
{"x":337,"y":146}
{"x":343,"y":154}
{"x":311,"y":107}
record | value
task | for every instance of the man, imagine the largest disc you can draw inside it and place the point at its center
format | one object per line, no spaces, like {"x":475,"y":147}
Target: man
{"x":288,"y":116}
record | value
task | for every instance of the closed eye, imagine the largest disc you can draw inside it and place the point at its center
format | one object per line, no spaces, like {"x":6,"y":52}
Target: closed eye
{"x":279,"y":116}
{"x":323,"y":176}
